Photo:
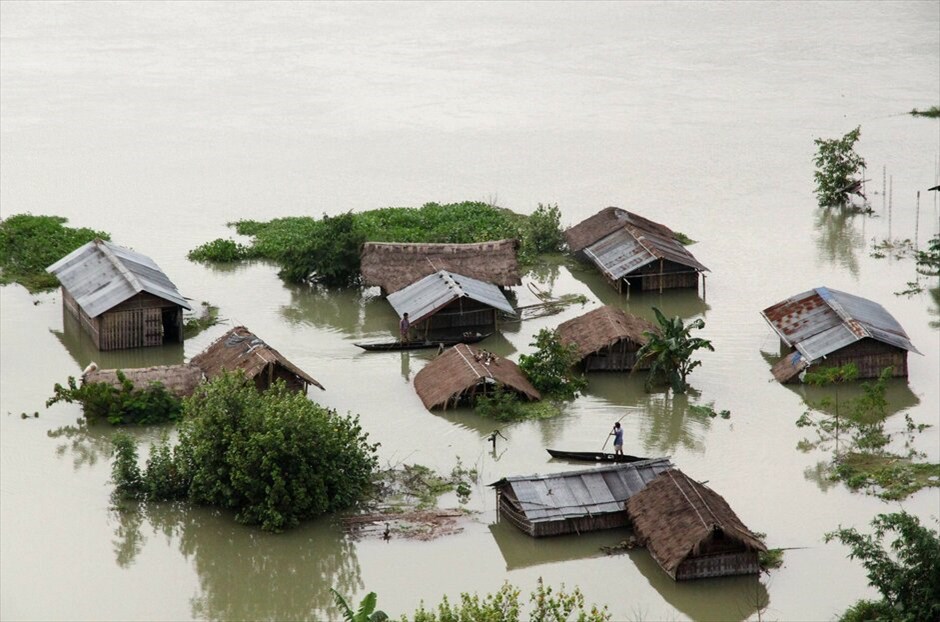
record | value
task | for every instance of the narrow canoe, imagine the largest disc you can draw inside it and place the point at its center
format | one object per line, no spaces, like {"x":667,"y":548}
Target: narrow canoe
{"x":417,"y":345}
{"x":592,"y":456}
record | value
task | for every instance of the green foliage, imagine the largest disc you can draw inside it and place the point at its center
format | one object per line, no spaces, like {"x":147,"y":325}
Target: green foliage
{"x":670,"y":351}
{"x":837,"y":166}
{"x":904,"y":572}
{"x":543,"y":230}
{"x":366,"y":611}
{"x":29,"y":244}
{"x":551,"y":367}
{"x":209,"y":316}
{"x":928,"y":261}
{"x":220,"y":251}
{"x":506,"y":406}
{"x":932,"y":112}
{"x":708,"y":410}
{"x":331,"y":257}
{"x":125,"y":474}
{"x":123,"y":405}
{"x":683,"y":239}
{"x":546,"y":605}
{"x":867,"y":611}
{"x":892,"y":477}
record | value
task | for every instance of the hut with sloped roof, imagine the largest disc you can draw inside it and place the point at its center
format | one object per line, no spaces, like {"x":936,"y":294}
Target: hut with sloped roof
{"x":121,"y":298}
{"x":241,"y":350}
{"x":824,"y":326}
{"x":463,"y":372}
{"x":180,"y":380}
{"x":446,"y":302}
{"x":574,"y":501}
{"x":691,"y":531}
{"x":634,"y":253}
{"x":607,"y":338}
{"x":393,"y":266}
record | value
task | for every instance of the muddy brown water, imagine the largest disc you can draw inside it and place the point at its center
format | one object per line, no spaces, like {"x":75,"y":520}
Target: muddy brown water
{"x":160,"y":123}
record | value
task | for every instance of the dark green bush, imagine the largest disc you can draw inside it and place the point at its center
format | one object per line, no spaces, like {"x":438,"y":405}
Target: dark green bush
{"x":543,"y":230}
{"x":551,"y":367}
{"x":124,"y":405}
{"x":220,"y":251}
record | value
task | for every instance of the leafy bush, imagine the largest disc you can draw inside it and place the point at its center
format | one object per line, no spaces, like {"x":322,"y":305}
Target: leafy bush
{"x":29,"y":244}
{"x":932,"y":112}
{"x":331,"y":257}
{"x":543,"y":230}
{"x":837,"y":166}
{"x":120,"y":405}
{"x":928,"y":261}
{"x":220,"y":251}
{"x":274,"y":457}
{"x":670,"y":351}
{"x":551,"y":367}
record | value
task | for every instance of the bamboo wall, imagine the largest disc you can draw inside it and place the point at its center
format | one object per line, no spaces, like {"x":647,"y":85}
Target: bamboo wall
{"x":619,"y":357}
{"x":871,"y":357}
{"x":663,"y":275}
{"x":462,"y":313}
{"x":720,"y":565}
{"x":136,"y":322}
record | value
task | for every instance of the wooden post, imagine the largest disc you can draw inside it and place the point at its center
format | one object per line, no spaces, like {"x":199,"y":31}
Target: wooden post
{"x":917,"y":223}
{"x":660,"y":276}
{"x":703,"y":286}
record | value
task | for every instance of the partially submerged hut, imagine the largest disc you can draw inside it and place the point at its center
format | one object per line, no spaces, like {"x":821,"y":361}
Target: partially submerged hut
{"x":449,"y":302}
{"x":691,"y":531}
{"x":633,"y":252}
{"x":463,"y":372}
{"x":180,"y":380}
{"x":607,"y":338}
{"x":240,"y":349}
{"x":121,"y":298}
{"x":824,"y":326}
{"x":574,"y":501}
{"x":394,"y":266}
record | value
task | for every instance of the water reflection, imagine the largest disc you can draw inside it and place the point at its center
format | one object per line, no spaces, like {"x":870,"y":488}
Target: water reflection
{"x":244,"y":573}
{"x":520,"y":550}
{"x":90,"y":441}
{"x":838,"y":239}
{"x":935,"y":312}
{"x":353,"y":311}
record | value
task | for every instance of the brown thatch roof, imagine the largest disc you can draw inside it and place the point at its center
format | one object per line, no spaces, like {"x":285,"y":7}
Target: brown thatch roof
{"x":460,"y":368}
{"x":603,"y":327}
{"x":180,"y":380}
{"x":240,"y":349}
{"x":393,"y":266}
{"x":673,"y":515}
{"x":606,"y":222}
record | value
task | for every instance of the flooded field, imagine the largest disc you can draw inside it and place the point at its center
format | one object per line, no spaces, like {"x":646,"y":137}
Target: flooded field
{"x":161,"y":123}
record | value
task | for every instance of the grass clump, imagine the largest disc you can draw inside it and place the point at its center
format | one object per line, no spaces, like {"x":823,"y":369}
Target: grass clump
{"x":933,"y":112}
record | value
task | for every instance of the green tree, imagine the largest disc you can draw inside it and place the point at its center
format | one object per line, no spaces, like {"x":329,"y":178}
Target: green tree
{"x":543,"y":230}
{"x":366,"y":611}
{"x":331,"y":257}
{"x":669,"y":351}
{"x":906,"y":572}
{"x":551,"y":367}
{"x":837,"y":168}
{"x":928,"y":261}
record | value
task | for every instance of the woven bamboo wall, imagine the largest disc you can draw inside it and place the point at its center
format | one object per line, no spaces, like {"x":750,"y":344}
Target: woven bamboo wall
{"x":723,"y":565}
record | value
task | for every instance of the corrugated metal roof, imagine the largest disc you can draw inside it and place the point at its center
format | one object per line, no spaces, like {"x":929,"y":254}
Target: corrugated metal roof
{"x":571,"y":494}
{"x":822,"y":320}
{"x":101,"y":275}
{"x":629,"y":248}
{"x":425,"y":297}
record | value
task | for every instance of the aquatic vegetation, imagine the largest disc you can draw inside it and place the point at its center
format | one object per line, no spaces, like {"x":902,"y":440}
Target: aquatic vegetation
{"x":551,"y":367}
{"x":683,"y":239}
{"x":220,"y":251}
{"x":506,"y":406}
{"x":29,"y":244}
{"x":366,"y":611}
{"x":120,"y":405}
{"x":933,"y":112}
{"x":670,"y":351}
{"x":837,"y":169}
{"x":708,"y":410}
{"x":195,"y":324}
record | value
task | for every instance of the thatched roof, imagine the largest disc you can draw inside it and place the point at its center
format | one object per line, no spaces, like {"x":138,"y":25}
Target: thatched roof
{"x":460,"y":368}
{"x":240,"y":349}
{"x":606,"y":222}
{"x":180,"y":380}
{"x":673,"y":515}
{"x":603,"y":327}
{"x":393,"y":266}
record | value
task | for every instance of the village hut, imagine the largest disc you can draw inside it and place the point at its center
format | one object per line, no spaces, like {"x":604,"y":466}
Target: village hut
{"x":633,"y":252}
{"x":240,"y":349}
{"x":463,"y":372}
{"x":824,"y":326}
{"x":394,"y":266}
{"x":449,"y":302}
{"x":121,"y":298}
{"x":180,"y":380}
{"x":691,"y":531}
{"x":607,"y":338}
{"x":574,"y":501}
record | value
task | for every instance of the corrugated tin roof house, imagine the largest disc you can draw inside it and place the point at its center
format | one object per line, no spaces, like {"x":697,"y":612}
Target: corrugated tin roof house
{"x":122,"y":298}
{"x":463,"y":372}
{"x":629,"y":249}
{"x":393,"y":266}
{"x":826,"y":325}
{"x":606,"y":338}
{"x":574,"y":501}
{"x":691,"y":531}
{"x":181,"y":380}
{"x":240,"y":349}
{"x":444,"y":301}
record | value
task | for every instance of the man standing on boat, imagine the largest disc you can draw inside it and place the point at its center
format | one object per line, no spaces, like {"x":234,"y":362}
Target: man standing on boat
{"x":618,"y":439}
{"x":404,"y":327}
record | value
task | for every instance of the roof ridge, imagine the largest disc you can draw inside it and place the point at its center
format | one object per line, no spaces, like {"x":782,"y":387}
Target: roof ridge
{"x":826,"y":294}
{"x":117,"y":263}
{"x":634,"y":231}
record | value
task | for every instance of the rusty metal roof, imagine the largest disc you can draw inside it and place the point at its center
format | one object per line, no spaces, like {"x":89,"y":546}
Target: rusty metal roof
{"x":822,"y":320}
{"x":426,"y":296}
{"x":630,"y":248}
{"x":602,"y":490}
{"x":100,"y":275}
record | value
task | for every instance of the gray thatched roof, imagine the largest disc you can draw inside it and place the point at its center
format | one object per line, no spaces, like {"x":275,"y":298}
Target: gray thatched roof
{"x":180,"y":380}
{"x":674,"y":515}
{"x":461,"y":368}
{"x":393,"y":266}
{"x":603,"y":327}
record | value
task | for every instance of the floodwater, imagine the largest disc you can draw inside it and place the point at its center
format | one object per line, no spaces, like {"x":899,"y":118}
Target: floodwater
{"x":162,"y":122}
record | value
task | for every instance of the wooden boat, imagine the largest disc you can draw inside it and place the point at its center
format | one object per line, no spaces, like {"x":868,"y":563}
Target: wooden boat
{"x":592,"y":456}
{"x":382,"y":346}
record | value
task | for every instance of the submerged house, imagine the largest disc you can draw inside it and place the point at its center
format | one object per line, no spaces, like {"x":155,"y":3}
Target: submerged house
{"x":394,"y":266}
{"x":824,"y":326}
{"x":633,"y":252}
{"x":180,"y":380}
{"x":121,"y":298}
{"x":449,"y":302}
{"x":240,"y":349}
{"x":463,"y":372}
{"x":574,"y":501}
{"x":691,"y":531}
{"x":606,"y":339}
